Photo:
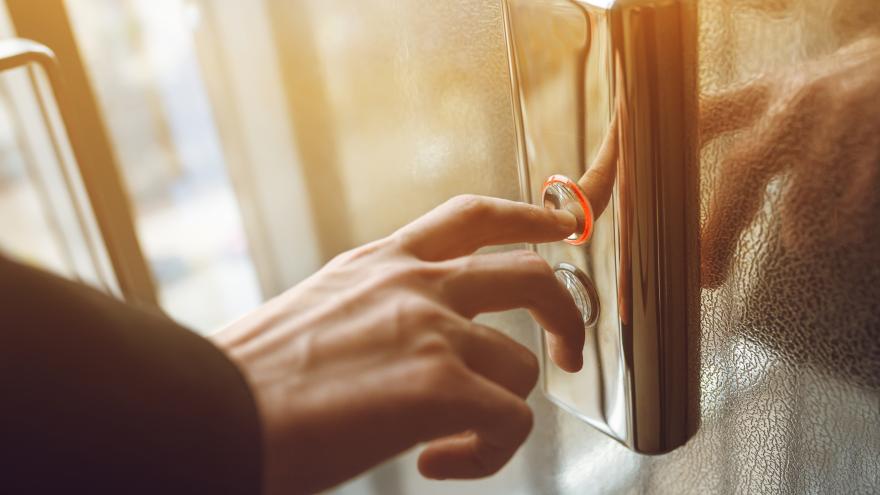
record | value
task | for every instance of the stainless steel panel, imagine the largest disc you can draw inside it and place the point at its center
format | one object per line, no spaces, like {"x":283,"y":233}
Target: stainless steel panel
{"x":589,"y":75}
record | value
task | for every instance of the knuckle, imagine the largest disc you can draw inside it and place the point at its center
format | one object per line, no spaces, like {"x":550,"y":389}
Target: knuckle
{"x":467,"y":264}
{"x":536,"y":266}
{"x":343,"y":258}
{"x":440,"y":373}
{"x":434,"y":383}
{"x":360,"y":252}
{"x":418,"y":314}
{"x":404,"y":240}
{"x":430,"y":317}
{"x":411,"y":274}
{"x":470,"y":206}
{"x":423,"y":272}
{"x":434,"y":347}
{"x":395,"y":275}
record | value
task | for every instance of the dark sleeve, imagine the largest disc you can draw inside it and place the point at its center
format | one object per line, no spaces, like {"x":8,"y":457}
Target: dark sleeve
{"x":97,"y":397}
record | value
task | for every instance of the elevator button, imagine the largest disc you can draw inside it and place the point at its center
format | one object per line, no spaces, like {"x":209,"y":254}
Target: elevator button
{"x":562,"y":193}
{"x":582,"y":290}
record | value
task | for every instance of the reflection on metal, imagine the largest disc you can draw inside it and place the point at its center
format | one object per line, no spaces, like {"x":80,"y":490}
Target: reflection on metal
{"x":582,"y":70}
{"x":560,"y":192}
{"x":582,"y":290}
{"x":48,"y":26}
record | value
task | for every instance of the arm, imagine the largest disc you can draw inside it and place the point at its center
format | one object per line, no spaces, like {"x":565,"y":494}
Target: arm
{"x":98,"y":397}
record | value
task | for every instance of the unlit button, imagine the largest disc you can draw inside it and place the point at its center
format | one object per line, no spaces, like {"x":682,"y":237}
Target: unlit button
{"x":582,"y":290}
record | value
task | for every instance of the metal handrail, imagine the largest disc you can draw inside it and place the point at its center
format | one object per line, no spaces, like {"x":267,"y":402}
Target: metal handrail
{"x":18,"y":53}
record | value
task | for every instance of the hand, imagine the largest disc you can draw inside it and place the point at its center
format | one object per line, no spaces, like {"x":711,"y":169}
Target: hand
{"x":818,"y":127}
{"x":378,"y":352}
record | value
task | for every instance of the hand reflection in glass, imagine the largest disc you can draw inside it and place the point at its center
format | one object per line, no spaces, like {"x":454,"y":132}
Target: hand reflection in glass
{"x":817,"y":124}
{"x":817,"y":127}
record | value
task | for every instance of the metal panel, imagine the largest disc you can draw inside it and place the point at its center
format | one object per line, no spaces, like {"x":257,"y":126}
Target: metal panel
{"x":615,"y":82}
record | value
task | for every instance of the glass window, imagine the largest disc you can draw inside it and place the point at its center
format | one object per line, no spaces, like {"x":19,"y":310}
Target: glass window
{"x":142,"y":59}
{"x":45,"y":216}
{"x":29,"y":230}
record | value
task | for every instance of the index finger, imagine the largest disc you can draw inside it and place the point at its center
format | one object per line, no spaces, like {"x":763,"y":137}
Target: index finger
{"x":467,"y":223}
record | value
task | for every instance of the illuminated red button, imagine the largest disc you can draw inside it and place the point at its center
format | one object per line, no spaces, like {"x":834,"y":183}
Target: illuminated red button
{"x":562,"y":193}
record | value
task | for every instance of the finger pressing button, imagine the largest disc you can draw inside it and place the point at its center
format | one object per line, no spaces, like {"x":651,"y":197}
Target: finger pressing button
{"x":560,"y":192}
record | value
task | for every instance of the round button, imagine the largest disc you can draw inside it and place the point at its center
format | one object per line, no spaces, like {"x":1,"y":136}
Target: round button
{"x":582,"y":290}
{"x":562,"y":193}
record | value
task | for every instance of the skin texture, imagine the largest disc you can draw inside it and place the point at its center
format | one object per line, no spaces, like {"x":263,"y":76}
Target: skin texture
{"x":377,"y":352}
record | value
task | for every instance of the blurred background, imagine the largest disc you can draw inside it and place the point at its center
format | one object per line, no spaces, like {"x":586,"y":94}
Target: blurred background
{"x":249,"y":136}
